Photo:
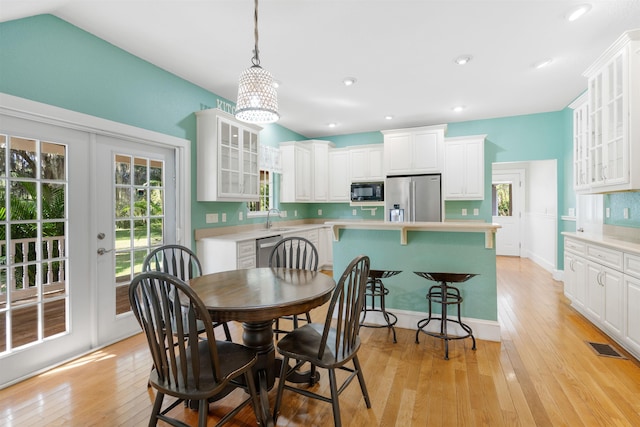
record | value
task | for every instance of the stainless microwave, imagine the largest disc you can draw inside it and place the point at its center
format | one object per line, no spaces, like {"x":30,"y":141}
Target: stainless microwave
{"x":367,"y":192}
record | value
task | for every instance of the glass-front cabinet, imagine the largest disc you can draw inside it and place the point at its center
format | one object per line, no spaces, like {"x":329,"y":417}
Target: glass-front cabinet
{"x":581,"y":143}
{"x":613,"y":141}
{"x":227,"y":162}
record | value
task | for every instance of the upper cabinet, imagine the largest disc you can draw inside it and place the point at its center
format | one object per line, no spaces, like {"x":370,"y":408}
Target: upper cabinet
{"x":463,"y":177}
{"x":339,"y":175}
{"x":305,"y":171}
{"x":367,"y":163}
{"x":614,"y":117}
{"x":414,"y":150}
{"x":227,"y":158}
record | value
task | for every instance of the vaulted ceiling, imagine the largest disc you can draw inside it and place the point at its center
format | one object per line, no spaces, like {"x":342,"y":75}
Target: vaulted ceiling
{"x":401,"y":53}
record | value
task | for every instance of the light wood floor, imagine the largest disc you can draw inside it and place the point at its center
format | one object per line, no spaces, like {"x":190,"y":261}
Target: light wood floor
{"x":541,"y":374}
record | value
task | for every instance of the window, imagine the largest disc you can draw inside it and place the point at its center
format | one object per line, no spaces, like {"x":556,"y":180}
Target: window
{"x":266,"y":186}
{"x":501,"y":199}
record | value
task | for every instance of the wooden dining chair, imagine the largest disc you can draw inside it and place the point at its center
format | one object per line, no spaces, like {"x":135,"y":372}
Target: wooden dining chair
{"x":186,"y":366}
{"x":293,"y":252}
{"x":330,"y":347}
{"x":183,"y":263}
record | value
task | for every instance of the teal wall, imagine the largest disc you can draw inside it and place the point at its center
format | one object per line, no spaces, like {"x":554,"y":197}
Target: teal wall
{"x":428,"y":252}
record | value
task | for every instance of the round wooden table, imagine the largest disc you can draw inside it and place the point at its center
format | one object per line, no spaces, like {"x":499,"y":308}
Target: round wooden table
{"x":255,"y":297}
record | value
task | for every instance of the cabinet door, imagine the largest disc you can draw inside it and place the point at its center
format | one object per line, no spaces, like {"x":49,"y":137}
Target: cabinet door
{"x":398,"y":153}
{"x":455,"y":170}
{"x":303,"y":174}
{"x":613,"y":315}
{"x":632,"y":313}
{"x":320,"y":177}
{"x":595,"y":290}
{"x":250,"y":168}
{"x":581,"y":147}
{"x":579,"y":272}
{"x":616,"y":150}
{"x":229,"y":155}
{"x":426,"y":153}
{"x":359,"y":164}
{"x":474,"y":186}
{"x":376,"y":163}
{"x":339,"y":179}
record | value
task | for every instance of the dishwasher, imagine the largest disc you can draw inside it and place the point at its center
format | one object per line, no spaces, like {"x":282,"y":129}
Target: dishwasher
{"x":264,"y":247}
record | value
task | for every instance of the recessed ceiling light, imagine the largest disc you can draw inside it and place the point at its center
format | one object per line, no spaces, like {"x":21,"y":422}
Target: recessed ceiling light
{"x":463,"y":59}
{"x":543,"y":63}
{"x":459,"y":108}
{"x":578,"y":12}
{"x":349,"y":81}
{"x":332,"y":125}
{"x":388,"y":117}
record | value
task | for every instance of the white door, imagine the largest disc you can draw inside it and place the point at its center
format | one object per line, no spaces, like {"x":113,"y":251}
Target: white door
{"x":44,"y":264}
{"x":136,"y":211}
{"x":507,"y":205}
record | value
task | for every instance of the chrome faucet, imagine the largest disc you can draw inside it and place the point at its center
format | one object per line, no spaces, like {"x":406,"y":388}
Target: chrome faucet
{"x":268,"y":224}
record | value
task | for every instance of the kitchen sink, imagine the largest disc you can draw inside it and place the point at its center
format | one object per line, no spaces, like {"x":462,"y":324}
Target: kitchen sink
{"x":278,"y":229}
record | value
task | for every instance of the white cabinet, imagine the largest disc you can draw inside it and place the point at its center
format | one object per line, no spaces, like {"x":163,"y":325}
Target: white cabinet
{"x":339,"y":175}
{"x":581,"y":135}
{"x":414,"y":150}
{"x":219,"y":254}
{"x":601,"y":285}
{"x":305,"y":171}
{"x":295,"y":181}
{"x":463,"y":176}
{"x":367,"y":163}
{"x":325,"y":248}
{"x":227,"y":160}
{"x":614,"y":117}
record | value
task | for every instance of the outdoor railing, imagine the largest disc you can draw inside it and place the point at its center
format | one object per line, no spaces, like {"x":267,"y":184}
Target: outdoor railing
{"x":25,"y":286}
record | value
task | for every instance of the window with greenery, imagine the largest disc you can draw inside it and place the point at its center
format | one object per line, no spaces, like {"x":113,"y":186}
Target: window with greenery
{"x":264,"y":204}
{"x":501,"y":199}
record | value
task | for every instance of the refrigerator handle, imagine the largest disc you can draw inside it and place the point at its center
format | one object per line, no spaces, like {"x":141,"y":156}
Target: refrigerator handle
{"x":412,"y":200}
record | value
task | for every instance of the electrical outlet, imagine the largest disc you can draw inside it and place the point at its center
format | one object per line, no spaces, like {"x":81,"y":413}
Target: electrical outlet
{"x":572,"y":212}
{"x":607,"y":212}
{"x":373,"y":212}
{"x":464,"y":212}
{"x":625,"y":213}
{"x":476,"y":212}
{"x":319,"y":212}
{"x":295,"y":212}
{"x":224,"y":217}
{"x":211,"y":218}
{"x":283,"y":214}
{"x":354,"y":212}
{"x":240,"y":216}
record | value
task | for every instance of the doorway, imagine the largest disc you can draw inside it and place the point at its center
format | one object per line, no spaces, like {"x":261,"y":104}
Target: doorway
{"x":507,"y":196}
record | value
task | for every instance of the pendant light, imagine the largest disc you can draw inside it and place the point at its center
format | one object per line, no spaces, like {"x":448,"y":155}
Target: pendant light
{"x":257,"y":97}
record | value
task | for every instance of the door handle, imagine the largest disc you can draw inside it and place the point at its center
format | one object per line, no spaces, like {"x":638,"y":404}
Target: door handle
{"x":102,"y":251}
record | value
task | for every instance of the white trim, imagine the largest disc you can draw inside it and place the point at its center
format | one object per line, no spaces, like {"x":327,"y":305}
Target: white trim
{"x":44,"y":113}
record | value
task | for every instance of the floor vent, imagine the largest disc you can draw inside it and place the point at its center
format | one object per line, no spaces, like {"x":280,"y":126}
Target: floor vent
{"x":605,"y":350}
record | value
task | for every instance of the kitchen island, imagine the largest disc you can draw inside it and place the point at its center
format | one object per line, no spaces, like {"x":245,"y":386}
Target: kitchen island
{"x":453,"y":247}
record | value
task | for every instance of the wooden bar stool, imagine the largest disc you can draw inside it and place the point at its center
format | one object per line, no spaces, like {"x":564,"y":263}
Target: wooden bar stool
{"x":375,"y":290}
{"x":446,"y":296}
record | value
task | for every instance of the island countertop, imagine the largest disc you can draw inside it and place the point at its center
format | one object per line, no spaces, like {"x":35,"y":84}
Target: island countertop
{"x":403,"y":227}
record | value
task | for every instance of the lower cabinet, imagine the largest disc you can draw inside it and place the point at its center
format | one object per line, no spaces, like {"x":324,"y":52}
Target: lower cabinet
{"x":225,"y":254}
{"x":596,"y":283}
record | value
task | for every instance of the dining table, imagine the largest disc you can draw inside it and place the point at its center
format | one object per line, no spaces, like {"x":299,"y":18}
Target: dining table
{"x":256,"y":297}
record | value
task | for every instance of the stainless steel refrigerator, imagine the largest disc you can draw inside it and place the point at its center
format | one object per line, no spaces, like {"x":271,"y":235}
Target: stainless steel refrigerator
{"x":413,"y":198}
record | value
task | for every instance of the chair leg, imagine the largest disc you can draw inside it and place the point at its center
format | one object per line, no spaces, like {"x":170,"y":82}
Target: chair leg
{"x":363,"y":386}
{"x":308,"y":317}
{"x":203,"y":412}
{"x":281,"y":381}
{"x":335,"y":400}
{"x":157,"y":405}
{"x":255,"y":401}
{"x":227,"y":332}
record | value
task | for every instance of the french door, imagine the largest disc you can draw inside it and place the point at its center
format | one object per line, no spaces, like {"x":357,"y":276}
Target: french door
{"x":136,"y":212}
{"x":44,"y":266}
{"x":82,"y":200}
{"x":507,"y":204}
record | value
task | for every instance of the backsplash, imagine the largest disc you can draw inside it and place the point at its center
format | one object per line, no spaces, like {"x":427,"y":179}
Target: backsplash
{"x":617,"y":203}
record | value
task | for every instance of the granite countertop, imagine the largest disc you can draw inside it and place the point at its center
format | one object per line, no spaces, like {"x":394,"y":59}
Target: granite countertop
{"x":621,"y":243}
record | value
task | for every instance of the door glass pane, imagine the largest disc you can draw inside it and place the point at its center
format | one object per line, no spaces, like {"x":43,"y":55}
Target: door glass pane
{"x":33,"y":257}
{"x":501,"y":199}
{"x":139,"y":210}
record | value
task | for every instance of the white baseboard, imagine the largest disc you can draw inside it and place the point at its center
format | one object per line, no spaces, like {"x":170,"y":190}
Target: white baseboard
{"x":488,"y":330}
